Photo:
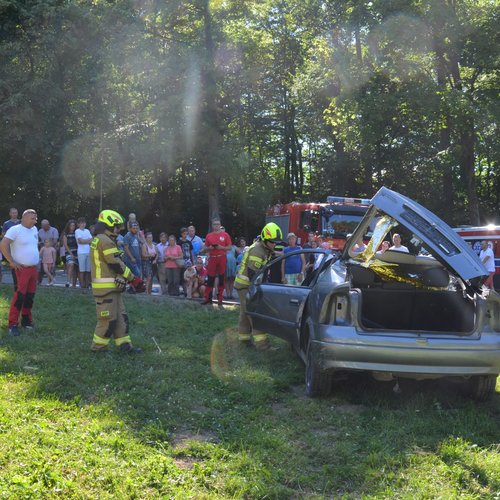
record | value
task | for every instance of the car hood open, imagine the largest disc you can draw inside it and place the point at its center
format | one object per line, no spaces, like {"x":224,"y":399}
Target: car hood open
{"x":444,"y":244}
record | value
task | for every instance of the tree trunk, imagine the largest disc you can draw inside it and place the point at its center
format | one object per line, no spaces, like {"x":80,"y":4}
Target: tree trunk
{"x":212,"y":119}
{"x":287,"y":181}
{"x":444,"y":133}
{"x":467,"y":136}
{"x":359,"y":54}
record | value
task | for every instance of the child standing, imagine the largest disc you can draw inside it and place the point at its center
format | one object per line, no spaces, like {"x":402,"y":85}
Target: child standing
{"x":48,"y":256}
{"x":83,"y":239}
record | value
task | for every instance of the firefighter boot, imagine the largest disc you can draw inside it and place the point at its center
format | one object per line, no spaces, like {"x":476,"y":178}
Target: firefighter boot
{"x":128,"y":348}
{"x":261,"y":342}
{"x":245,"y":339}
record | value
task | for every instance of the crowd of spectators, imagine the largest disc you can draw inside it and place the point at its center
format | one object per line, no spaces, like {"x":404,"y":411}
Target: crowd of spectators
{"x":175,"y":262}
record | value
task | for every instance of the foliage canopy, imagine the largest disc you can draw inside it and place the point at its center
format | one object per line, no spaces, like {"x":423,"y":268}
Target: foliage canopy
{"x":180,"y":109}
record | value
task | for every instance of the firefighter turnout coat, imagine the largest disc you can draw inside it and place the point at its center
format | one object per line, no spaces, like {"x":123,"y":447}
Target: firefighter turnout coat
{"x":107,"y":270}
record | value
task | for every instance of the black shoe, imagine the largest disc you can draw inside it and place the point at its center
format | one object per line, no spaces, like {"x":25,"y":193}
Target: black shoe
{"x":27,"y":324}
{"x":129,"y":349}
{"x":207,"y":302}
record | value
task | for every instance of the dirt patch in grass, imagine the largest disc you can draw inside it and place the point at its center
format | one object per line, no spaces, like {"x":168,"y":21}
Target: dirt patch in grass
{"x":184,"y":438}
{"x":185,"y":462}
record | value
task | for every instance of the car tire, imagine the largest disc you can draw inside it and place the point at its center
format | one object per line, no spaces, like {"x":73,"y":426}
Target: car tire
{"x":318,"y":383}
{"x":483,"y":387}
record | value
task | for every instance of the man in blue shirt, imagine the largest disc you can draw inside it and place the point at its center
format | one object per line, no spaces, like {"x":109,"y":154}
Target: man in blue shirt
{"x":195,"y":240}
{"x":293,"y":267}
{"x":13,"y":221}
{"x":132,"y":247}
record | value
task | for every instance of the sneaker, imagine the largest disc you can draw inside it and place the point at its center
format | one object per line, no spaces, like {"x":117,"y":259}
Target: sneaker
{"x":67,"y":285}
{"x":129,"y":349}
{"x":14,"y":331}
{"x":207,"y":302}
{"x":27,"y":324}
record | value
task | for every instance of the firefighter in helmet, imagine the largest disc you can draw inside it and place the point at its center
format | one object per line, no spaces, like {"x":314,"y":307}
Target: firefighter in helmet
{"x":259,"y":254}
{"x":109,"y":279}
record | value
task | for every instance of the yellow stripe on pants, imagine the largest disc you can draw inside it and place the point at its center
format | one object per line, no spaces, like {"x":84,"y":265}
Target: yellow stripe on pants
{"x":245,"y":329}
{"x":110,"y":321}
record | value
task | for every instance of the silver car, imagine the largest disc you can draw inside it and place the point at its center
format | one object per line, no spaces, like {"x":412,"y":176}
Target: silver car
{"x":417,"y":312}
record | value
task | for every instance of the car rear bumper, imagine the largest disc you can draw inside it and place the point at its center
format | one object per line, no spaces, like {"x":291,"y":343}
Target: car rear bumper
{"x":344,"y":349}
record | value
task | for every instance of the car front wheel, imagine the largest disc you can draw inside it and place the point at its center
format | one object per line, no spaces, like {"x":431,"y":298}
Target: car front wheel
{"x":318,"y":383}
{"x":483,"y":387}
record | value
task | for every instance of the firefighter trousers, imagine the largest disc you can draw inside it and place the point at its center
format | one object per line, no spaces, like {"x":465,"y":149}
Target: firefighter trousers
{"x":245,"y":329}
{"x":112,"y":322}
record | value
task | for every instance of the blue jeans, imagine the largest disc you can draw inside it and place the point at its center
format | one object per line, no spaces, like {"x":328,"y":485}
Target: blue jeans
{"x":135,"y":268}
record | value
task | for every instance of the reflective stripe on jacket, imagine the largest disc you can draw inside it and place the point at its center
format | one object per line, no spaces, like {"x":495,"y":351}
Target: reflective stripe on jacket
{"x":106,"y":264}
{"x":254,"y":259}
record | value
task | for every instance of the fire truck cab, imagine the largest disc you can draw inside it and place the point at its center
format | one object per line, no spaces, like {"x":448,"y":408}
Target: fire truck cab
{"x":490,"y":233}
{"x":334,"y":220}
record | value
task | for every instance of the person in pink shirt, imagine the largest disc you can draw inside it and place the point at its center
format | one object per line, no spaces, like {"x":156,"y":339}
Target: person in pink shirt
{"x":48,"y":257}
{"x":173,"y":253}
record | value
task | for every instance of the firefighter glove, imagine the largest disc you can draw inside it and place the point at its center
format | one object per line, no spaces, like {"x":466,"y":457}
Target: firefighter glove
{"x":121,"y":284}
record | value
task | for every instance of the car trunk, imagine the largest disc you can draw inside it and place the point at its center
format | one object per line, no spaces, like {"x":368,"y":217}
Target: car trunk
{"x":417,"y":310}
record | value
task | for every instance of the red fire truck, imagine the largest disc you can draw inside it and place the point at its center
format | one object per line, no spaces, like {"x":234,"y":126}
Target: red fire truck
{"x":490,"y":233}
{"x":334,"y":220}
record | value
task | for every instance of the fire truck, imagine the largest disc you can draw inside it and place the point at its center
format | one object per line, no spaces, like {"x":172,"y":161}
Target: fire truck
{"x":490,"y":233}
{"x":334,"y":220}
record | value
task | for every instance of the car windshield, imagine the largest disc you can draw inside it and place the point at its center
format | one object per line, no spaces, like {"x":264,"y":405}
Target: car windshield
{"x":340,"y":225}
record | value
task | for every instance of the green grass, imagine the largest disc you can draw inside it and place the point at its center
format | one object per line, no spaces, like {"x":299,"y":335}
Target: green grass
{"x":207,"y":418}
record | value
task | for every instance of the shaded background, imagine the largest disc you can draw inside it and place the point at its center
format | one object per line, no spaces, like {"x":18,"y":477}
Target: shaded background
{"x":180,"y":110}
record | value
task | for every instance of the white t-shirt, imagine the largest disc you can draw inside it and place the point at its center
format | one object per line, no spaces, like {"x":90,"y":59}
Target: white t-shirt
{"x":83,"y":234}
{"x":490,"y":263}
{"x":401,"y":248}
{"x":24,"y":246}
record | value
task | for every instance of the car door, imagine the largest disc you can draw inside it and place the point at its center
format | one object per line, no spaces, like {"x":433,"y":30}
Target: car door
{"x":276,"y":308}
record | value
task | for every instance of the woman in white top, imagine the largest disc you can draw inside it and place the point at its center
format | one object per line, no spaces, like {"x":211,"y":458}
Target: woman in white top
{"x":149,"y":257}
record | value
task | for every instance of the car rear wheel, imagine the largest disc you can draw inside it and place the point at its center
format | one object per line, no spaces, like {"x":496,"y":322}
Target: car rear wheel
{"x":318,"y":383}
{"x":483,"y":387}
